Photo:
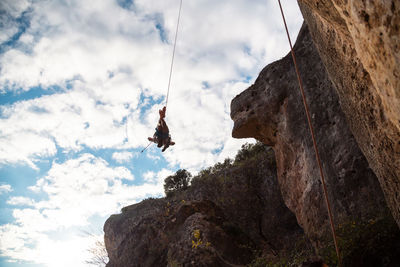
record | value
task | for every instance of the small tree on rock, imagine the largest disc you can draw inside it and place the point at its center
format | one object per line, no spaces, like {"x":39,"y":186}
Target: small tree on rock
{"x":179,"y":181}
{"x":250,"y":150}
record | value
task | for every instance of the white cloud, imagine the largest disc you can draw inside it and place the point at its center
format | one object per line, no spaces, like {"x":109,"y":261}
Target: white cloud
{"x":20,"y":201}
{"x":11,"y":10}
{"x":83,"y":182}
{"x":157,"y":177}
{"x":70,"y":120}
{"x":76,"y":190}
{"x":122,"y":157}
{"x":88,"y":46}
{"x":149,"y":176}
{"x":22,"y":244}
{"x":114,"y":62}
{"x":14,"y":8}
{"x":5,"y":188}
{"x":161,"y":175}
{"x":25,"y":147}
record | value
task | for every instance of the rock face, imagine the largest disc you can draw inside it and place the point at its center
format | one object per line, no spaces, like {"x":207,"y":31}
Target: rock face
{"x":221,"y":220}
{"x":271,"y":111}
{"x":359,"y":44}
{"x":158,"y":233}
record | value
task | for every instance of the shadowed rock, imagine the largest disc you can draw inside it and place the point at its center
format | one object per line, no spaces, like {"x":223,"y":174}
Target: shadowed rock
{"x":226,"y":218}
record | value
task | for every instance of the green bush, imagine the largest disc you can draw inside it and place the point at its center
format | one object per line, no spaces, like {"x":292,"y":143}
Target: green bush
{"x":179,"y":181}
{"x":250,"y":150}
{"x":375,"y":242}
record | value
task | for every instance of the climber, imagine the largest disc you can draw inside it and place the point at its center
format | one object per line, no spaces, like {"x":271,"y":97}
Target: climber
{"x":162,"y":137}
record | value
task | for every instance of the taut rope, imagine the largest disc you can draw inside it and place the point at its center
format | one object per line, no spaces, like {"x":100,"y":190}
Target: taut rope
{"x":313,"y":139}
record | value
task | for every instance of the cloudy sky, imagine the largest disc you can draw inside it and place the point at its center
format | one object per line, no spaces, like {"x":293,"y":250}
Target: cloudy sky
{"x":81,"y":83}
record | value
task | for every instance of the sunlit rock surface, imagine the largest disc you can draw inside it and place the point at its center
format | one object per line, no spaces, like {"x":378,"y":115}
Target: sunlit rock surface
{"x":359,"y":44}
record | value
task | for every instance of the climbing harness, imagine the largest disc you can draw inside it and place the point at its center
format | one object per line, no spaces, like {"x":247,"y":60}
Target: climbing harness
{"x":161,"y":135}
{"x":313,"y":139}
{"x":158,"y":134}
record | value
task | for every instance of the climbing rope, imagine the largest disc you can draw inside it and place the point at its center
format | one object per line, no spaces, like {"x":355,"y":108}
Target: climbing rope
{"x":173,"y":53}
{"x":313,"y":139}
{"x":172,"y":64}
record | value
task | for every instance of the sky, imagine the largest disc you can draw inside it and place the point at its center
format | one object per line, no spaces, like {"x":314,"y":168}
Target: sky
{"x":81,"y":83}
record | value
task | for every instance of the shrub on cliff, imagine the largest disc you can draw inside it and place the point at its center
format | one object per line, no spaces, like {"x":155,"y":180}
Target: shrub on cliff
{"x":179,"y":181}
{"x":248,"y":151}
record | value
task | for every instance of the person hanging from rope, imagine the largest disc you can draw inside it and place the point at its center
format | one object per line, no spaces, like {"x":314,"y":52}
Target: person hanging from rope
{"x":162,"y":137}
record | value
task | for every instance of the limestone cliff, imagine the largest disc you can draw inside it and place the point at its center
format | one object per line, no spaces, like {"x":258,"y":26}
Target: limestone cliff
{"x":231,"y":214}
{"x":271,"y":110}
{"x":359,"y":44}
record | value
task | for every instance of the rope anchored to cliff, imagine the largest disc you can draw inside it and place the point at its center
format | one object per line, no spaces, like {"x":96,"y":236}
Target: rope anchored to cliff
{"x":313,"y":139}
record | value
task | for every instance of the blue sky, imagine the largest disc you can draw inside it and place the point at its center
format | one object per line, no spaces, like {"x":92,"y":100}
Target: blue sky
{"x":81,"y":83}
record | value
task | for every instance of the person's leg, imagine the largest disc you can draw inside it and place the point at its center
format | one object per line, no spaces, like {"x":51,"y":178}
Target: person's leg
{"x":165,"y":147}
{"x":167,"y":142}
{"x":171,"y":143}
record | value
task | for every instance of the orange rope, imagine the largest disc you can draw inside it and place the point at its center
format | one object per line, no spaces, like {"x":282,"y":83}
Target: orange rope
{"x":313,"y":139}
